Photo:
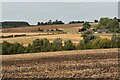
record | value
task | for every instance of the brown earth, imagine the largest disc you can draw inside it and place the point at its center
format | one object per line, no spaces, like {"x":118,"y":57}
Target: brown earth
{"x":99,"y":63}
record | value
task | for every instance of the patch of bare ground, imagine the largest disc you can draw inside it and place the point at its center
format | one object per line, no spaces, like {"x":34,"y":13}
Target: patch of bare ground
{"x":32,"y":28}
{"x":99,"y":63}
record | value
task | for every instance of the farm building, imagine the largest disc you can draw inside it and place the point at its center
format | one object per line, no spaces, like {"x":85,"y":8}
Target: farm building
{"x":102,"y":31}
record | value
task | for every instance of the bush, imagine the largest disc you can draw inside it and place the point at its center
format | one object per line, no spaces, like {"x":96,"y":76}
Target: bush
{"x":81,"y":45}
{"x":57,"y":44}
{"x":5,"y":46}
{"x":111,"y":24}
{"x":115,"y":41}
{"x":100,"y":43}
{"x":8,"y":48}
{"x":68,"y":45}
{"x":43,"y":45}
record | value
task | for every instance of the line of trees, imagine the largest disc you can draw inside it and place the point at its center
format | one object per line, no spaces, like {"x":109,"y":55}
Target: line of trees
{"x":75,"y":22}
{"x":111,"y":24}
{"x":91,"y":41}
{"x":10,"y":24}
{"x":43,"y":45}
{"x":50,"y":22}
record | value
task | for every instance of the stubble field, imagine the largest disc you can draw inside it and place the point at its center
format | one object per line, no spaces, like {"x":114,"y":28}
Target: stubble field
{"x":100,"y":63}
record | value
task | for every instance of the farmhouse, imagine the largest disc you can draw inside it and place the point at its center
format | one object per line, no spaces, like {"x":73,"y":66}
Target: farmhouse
{"x":102,"y":31}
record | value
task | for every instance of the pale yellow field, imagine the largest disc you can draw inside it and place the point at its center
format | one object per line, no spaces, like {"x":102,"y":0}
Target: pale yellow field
{"x":32,"y":36}
{"x":28,"y":39}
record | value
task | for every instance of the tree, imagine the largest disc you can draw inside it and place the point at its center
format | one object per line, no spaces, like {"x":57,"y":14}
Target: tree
{"x":9,"y":50}
{"x":115,"y":41}
{"x":113,"y":25}
{"x":37,"y":45}
{"x":82,"y":30}
{"x":57,"y":44}
{"x":86,"y":25}
{"x":68,"y":45}
{"x":118,"y":40}
{"x":88,"y":35}
{"x":38,"y":23}
{"x":104,"y":21}
{"x":96,"y":21}
{"x":30,"y":49}
{"x":81,"y":45}
{"x":15,"y":47}
{"x":5,"y":46}
{"x":49,"y":22}
{"x":21,"y":49}
{"x":45,"y":45}
{"x":101,"y":43}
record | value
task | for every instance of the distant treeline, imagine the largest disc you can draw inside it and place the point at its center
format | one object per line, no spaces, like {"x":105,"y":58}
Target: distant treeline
{"x":50,"y":22}
{"x":75,"y":22}
{"x":8,"y":24}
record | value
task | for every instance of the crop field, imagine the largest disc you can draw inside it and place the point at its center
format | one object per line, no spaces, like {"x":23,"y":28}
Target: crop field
{"x":35,"y":28}
{"x":32,"y":36}
{"x":28,"y":39}
{"x":71,"y":29}
{"x":99,"y":63}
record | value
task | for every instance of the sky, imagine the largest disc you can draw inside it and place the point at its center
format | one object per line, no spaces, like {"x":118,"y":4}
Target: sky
{"x":60,"y":0}
{"x":34,"y":12}
{"x":119,"y":10}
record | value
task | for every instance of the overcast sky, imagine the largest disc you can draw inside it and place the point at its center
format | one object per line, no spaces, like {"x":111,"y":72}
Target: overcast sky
{"x":34,"y":12}
{"x":60,"y":0}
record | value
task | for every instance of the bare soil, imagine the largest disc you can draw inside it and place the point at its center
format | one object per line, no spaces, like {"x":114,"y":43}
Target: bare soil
{"x":99,"y":63}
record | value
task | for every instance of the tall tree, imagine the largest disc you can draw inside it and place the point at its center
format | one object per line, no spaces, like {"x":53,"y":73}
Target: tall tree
{"x":86,"y":25}
{"x":68,"y":45}
{"x":57,"y":44}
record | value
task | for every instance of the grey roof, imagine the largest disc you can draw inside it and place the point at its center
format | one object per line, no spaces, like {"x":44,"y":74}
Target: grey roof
{"x":103,"y":30}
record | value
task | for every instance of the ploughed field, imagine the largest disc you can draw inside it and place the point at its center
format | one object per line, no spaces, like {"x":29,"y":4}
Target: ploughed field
{"x":27,"y":29}
{"x":99,"y":63}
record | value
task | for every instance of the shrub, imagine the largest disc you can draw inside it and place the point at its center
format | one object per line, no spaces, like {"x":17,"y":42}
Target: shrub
{"x":57,"y":44}
{"x":68,"y":45}
{"x":101,"y":43}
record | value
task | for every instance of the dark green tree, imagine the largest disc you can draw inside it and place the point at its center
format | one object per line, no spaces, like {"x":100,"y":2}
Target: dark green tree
{"x":36,"y":45}
{"x":57,"y":44}
{"x":30,"y":49}
{"x":5,"y":46}
{"x":38,"y":23}
{"x":46,"y":44}
{"x":86,"y":25}
{"x":88,"y":35}
{"x":15,"y":47}
{"x":21,"y":49}
{"x":81,"y":45}
{"x":104,"y":21}
{"x":101,"y":43}
{"x":115,"y":41}
{"x":68,"y":45}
